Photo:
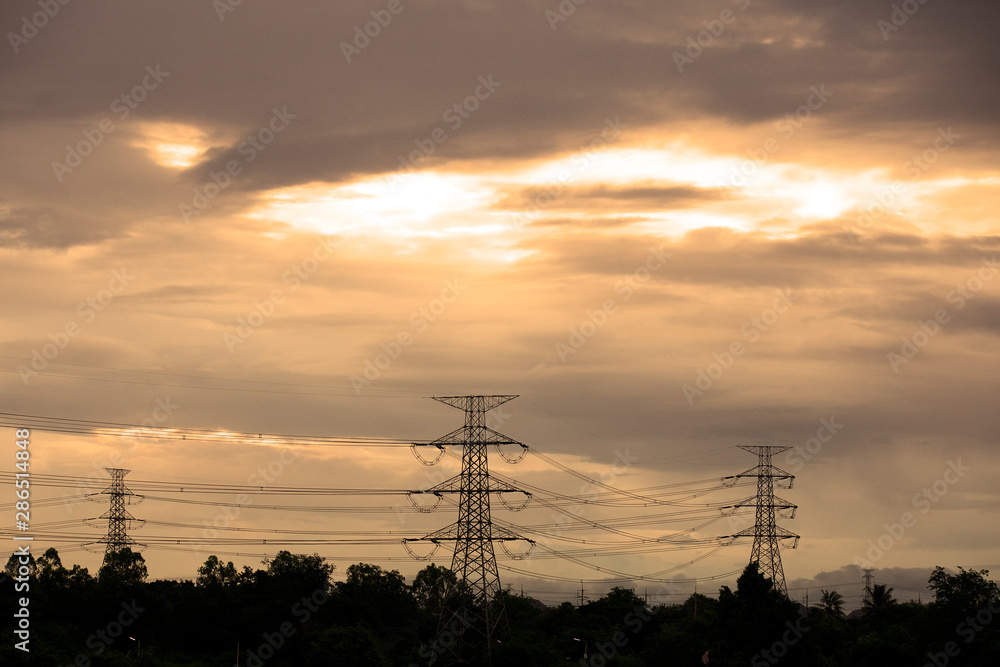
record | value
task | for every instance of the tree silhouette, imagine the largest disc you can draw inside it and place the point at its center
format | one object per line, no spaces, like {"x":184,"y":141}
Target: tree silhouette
{"x":124,"y":567}
{"x":299,"y":574}
{"x":754,"y":615}
{"x":964,"y":593}
{"x":433,"y":586}
{"x":14,"y":562}
{"x":214,"y":573}
{"x":881,"y":599}
{"x":832,"y":603}
{"x":381,"y":594}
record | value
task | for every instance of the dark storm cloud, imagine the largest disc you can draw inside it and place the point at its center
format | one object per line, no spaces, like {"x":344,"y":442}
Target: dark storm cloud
{"x":556,"y":85}
{"x":41,"y":226}
{"x":720,"y":257}
{"x":907,"y":583}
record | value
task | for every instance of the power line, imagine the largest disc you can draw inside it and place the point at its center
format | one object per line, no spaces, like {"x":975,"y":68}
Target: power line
{"x":765,"y":532}
{"x":91,"y":427}
{"x":474,"y":561}
{"x":330,"y":392}
{"x":474,"y":432}
{"x":119,"y":518}
{"x":67,"y":481}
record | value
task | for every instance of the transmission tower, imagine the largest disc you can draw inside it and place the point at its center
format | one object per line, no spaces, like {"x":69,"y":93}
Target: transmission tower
{"x":765,"y":531}
{"x":868,"y":579}
{"x":120,"y":520}
{"x":481,"y":605}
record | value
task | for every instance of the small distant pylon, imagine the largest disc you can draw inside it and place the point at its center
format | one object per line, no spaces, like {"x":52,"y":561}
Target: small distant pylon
{"x":765,"y":531}
{"x":481,"y":603}
{"x":868,"y":580}
{"x":120,"y":520}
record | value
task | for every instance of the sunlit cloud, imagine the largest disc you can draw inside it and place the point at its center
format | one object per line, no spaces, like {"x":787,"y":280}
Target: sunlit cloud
{"x":172,"y":145}
{"x":423,"y":204}
{"x":771,"y":197}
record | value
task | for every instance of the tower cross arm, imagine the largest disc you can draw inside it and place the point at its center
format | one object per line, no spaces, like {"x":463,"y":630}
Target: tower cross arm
{"x":463,"y":435}
{"x":477,"y":403}
{"x":779,"y":532}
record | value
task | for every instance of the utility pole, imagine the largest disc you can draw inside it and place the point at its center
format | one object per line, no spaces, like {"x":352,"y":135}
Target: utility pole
{"x":765,"y":531}
{"x":481,"y":603}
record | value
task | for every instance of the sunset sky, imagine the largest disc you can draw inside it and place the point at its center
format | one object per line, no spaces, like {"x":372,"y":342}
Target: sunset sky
{"x":671,"y":228}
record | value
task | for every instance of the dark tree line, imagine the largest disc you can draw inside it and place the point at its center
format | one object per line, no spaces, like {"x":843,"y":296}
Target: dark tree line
{"x":290,"y":614}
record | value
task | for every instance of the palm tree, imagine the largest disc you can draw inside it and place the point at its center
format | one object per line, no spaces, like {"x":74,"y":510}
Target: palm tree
{"x":832,"y":603}
{"x":881,"y":598}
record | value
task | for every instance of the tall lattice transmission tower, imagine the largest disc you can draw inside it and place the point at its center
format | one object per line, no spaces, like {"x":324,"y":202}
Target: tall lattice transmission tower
{"x":765,"y":531}
{"x":120,"y":520}
{"x":868,"y":580}
{"x":481,"y":605}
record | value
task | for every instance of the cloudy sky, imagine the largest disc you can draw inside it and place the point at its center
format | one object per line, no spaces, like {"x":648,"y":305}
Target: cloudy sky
{"x":671,"y":227}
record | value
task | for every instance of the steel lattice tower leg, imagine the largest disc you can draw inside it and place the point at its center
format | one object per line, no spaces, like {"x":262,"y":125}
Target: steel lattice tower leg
{"x":474,"y":561}
{"x":868,"y":578}
{"x":119,"y":518}
{"x":480,"y":605}
{"x":766,"y":533}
